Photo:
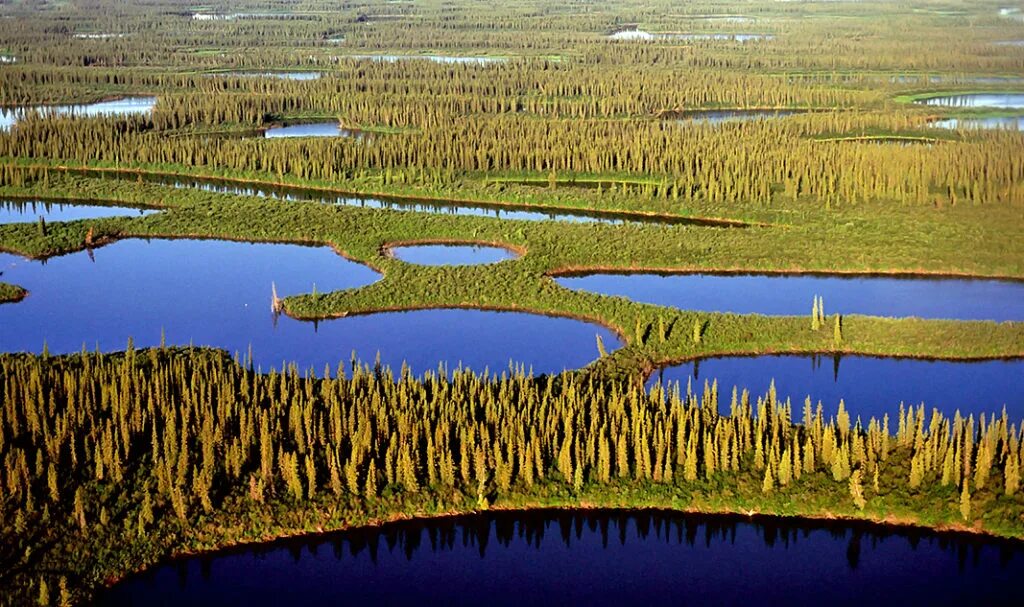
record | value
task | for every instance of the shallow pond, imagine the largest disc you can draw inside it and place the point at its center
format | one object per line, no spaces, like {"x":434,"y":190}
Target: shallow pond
{"x":1012,"y":123}
{"x":451,"y":255}
{"x":778,"y":295}
{"x":438,"y":207}
{"x":596,"y":558}
{"x":116,"y":107}
{"x":638,"y":34}
{"x":433,"y":58}
{"x":273,"y":75}
{"x":219,"y":294}
{"x":720,"y":116}
{"x":317,"y":129}
{"x":22,"y":211}
{"x":870,"y":386}
{"x":994,"y":100}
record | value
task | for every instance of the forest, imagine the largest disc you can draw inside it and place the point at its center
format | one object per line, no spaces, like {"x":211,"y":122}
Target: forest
{"x":866,"y":141}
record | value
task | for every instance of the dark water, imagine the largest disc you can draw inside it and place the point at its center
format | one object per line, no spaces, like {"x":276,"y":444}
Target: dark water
{"x":995,"y":100}
{"x":451,"y":255}
{"x":600,"y":558}
{"x":219,"y":294}
{"x":21,"y":211}
{"x":721,"y":116}
{"x":959,"y":299}
{"x":395,"y":204}
{"x":116,"y":107}
{"x":995,"y":122}
{"x":318,"y":129}
{"x":870,"y":387}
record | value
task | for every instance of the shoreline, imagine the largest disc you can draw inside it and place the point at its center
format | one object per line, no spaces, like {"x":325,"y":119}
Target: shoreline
{"x":888,"y":523}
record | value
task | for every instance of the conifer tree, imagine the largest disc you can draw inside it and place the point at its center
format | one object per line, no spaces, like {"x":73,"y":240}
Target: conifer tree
{"x":857,"y":490}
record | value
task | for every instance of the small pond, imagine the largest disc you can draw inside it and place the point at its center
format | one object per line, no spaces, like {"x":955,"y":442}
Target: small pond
{"x":22,"y":211}
{"x":870,"y":386}
{"x":720,"y":116}
{"x":218,"y":294}
{"x":595,"y":558}
{"x":479,"y":60}
{"x":116,"y":107}
{"x":450,"y":254}
{"x":271,"y":75}
{"x":638,"y":34}
{"x":780,"y":295}
{"x":439,"y":207}
{"x":317,"y":129}
{"x":981,"y":100}
{"x":1012,"y":123}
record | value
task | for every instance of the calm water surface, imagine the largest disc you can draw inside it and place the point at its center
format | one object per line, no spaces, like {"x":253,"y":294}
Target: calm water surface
{"x":21,"y":211}
{"x":869,"y":386}
{"x":794,"y":295}
{"x":117,"y":107}
{"x":317,"y":129}
{"x":274,"y":75}
{"x":720,"y":116}
{"x":550,"y":558}
{"x":395,"y":204}
{"x":219,"y":293}
{"x":432,"y":58}
{"x":996,"y":100}
{"x":996,"y":122}
{"x":451,"y":255}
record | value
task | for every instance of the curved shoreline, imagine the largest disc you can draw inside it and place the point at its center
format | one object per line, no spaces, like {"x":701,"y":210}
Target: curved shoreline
{"x":887,"y":523}
{"x":572,"y":271}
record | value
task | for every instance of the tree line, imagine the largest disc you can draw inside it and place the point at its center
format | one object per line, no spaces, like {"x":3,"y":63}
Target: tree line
{"x":147,"y":438}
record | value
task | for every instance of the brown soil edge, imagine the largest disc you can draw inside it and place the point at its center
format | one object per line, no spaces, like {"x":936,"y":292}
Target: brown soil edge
{"x":888,"y":522}
{"x":387,"y":249}
{"x":638,"y":215}
{"x":619,"y":333}
{"x":570,"y":271}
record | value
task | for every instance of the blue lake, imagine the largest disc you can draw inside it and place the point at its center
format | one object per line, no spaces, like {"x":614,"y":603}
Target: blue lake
{"x":960,"y":299}
{"x":596,"y":558}
{"x":451,"y":255}
{"x":215,"y":293}
{"x":21,"y":211}
{"x":869,"y":386}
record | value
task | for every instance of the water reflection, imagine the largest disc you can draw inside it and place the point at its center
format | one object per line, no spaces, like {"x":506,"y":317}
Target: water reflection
{"x":595,"y":558}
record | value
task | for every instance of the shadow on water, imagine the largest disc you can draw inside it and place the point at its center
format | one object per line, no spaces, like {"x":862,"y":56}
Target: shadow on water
{"x":594,"y":557}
